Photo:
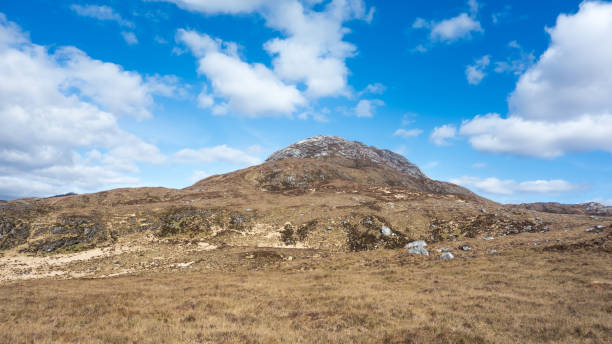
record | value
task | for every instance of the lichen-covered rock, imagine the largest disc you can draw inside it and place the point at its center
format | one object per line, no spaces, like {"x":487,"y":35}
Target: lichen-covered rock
{"x":13,"y":232}
{"x":367,"y":234}
{"x":71,"y":233}
{"x":325,"y":147}
{"x":194,"y":221}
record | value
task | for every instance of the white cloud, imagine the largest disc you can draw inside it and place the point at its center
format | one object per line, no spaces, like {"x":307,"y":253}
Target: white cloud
{"x":539,"y":138}
{"x":562,"y":103}
{"x":376,"y":88}
{"x":441,"y":135}
{"x":511,"y":187}
{"x":318,"y":116}
{"x":516,"y":64}
{"x":312,"y":51}
{"x":476,"y":72}
{"x":250,"y":89}
{"x":220,"y":6}
{"x":59,"y":113}
{"x":129,"y":37}
{"x":100,"y":13}
{"x":221,"y":153}
{"x":408,"y":133}
{"x":409,"y":118}
{"x":367,"y":107}
{"x":169,"y":86}
{"x":450,"y":30}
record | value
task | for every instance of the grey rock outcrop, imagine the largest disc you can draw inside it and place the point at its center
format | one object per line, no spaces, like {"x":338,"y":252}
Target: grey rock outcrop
{"x":325,"y":147}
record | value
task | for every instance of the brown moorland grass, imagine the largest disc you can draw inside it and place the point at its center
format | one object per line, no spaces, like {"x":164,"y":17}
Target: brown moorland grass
{"x":525,"y":295}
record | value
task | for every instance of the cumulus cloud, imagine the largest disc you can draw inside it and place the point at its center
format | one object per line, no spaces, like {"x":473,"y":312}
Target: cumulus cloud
{"x":408,"y":133}
{"x":59,"y":113}
{"x":221,"y":153}
{"x":129,"y":37}
{"x":367,"y":107}
{"x":250,"y":89}
{"x":220,"y":6}
{"x":539,"y":138}
{"x":510,"y":187}
{"x":441,"y":135}
{"x":517,"y":63}
{"x":453,"y":29}
{"x":311,"y":53}
{"x":100,"y":13}
{"x":561,"y":103}
{"x":375,"y":88}
{"x":476,"y":72}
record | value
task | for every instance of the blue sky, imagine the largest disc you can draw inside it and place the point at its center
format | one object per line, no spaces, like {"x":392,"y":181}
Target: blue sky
{"x":508,"y":98}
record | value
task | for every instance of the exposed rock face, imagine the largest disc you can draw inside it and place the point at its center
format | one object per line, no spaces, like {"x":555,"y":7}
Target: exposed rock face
{"x":13,"y":232}
{"x":321,"y":158}
{"x":355,"y":153}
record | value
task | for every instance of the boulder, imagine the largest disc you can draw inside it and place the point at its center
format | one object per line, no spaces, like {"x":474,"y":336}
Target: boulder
{"x":418,"y":250}
{"x":447,"y":256}
{"x":386,"y":231}
{"x":418,"y":243}
{"x":417,"y":247}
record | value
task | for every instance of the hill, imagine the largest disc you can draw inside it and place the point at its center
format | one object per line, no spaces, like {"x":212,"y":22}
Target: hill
{"x":327,"y":241}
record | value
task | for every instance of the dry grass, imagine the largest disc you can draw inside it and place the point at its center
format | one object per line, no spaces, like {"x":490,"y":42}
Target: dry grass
{"x":524,"y":295}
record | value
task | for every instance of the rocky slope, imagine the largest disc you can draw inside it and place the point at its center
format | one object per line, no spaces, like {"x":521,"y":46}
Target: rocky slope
{"x":591,"y":208}
{"x":320,"y":193}
{"x":320,"y":160}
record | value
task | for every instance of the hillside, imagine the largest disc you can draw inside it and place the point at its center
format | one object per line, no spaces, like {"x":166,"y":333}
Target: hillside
{"x":329,"y":240}
{"x":323,"y":193}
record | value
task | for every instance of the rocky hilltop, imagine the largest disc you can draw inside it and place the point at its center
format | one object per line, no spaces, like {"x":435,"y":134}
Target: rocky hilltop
{"x":322,"y":193}
{"x":350,"y":153}
{"x":322,"y":160}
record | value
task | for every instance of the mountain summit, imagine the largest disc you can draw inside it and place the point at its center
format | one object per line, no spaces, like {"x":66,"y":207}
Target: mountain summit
{"x":331,"y":161}
{"x":349,"y":153}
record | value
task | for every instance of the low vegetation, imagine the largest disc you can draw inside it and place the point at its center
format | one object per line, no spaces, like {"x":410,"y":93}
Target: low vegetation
{"x":524,"y":295}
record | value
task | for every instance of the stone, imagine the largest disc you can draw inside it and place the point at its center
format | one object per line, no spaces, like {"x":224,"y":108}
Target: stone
{"x":493,"y":251}
{"x":488,"y":238}
{"x":465,"y":248}
{"x":329,"y":228}
{"x":418,"y":250}
{"x":447,"y":256}
{"x":386,"y":231}
{"x":418,"y":243}
{"x":417,"y":247}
